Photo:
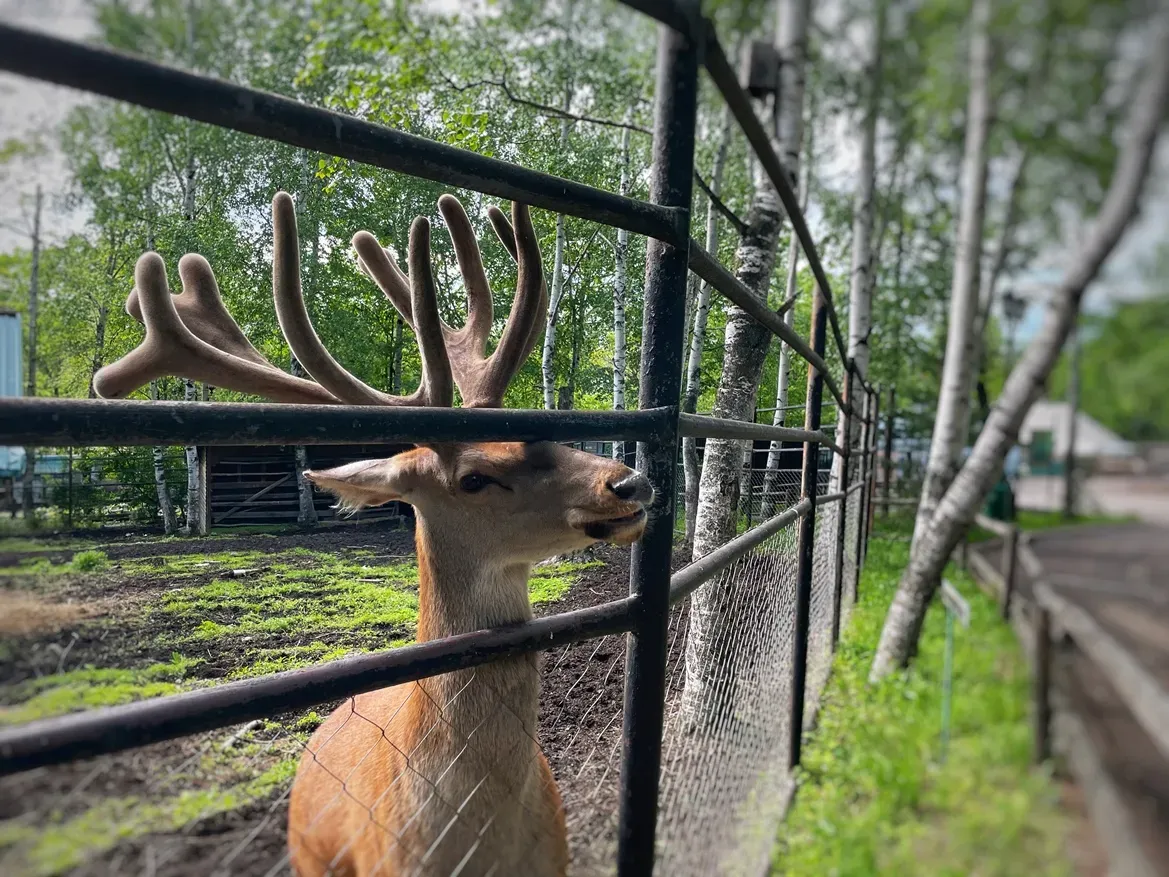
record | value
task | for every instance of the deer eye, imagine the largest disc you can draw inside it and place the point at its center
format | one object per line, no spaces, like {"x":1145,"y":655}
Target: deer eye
{"x":475,"y":482}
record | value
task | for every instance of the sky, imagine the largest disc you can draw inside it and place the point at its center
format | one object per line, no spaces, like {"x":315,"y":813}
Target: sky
{"x":27,"y":106}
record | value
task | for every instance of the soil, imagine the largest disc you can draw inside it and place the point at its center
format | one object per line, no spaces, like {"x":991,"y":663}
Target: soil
{"x":580,"y":720}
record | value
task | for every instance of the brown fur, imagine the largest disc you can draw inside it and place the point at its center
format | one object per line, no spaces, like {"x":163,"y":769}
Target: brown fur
{"x":429,"y":777}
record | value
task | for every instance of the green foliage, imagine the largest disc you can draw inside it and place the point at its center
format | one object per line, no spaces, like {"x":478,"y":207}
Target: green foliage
{"x":874,"y":797}
{"x":1123,"y":361}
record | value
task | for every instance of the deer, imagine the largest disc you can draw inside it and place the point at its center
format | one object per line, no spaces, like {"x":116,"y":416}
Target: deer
{"x":444,"y":775}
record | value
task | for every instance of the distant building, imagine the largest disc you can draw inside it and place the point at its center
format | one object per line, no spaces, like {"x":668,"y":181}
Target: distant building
{"x":1045,"y":436}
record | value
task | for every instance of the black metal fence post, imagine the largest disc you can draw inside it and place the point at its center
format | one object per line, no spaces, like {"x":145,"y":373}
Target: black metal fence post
{"x":1041,"y":686}
{"x":842,"y":514}
{"x":887,"y":470}
{"x":869,"y":490}
{"x":1010,"y":561}
{"x":663,"y":331}
{"x":807,"y":543}
{"x":864,"y":401}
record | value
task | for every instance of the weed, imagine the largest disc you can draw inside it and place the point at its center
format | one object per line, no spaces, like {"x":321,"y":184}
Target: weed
{"x":90,"y":560}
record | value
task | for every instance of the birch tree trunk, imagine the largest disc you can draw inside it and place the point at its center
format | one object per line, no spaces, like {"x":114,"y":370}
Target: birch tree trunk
{"x":772,"y":479}
{"x":974,"y":480}
{"x":620,"y":282}
{"x":306,"y":511}
{"x":712,"y":667}
{"x":698,"y":335}
{"x":547,"y":364}
{"x":34,"y":297}
{"x":954,"y":396}
{"x":191,"y":454}
{"x":166,"y":509}
{"x":860,"y":301}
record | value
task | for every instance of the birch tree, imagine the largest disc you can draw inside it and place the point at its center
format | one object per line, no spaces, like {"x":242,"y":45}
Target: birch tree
{"x":698,"y":334}
{"x":709,"y":670}
{"x":954,"y":396}
{"x":620,"y":281}
{"x":970,"y":487}
{"x":34,"y":297}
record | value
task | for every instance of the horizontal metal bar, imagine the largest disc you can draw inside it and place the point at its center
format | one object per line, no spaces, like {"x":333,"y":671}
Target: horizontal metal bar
{"x":724,"y":77}
{"x":260,"y":113}
{"x":715,"y":273}
{"x":830,"y":498}
{"x":705,"y":426}
{"x":104,"y":422}
{"x":860,"y":484}
{"x":690,"y":577}
{"x":113,"y":729}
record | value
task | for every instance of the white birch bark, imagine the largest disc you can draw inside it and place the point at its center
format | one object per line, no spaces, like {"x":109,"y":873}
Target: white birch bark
{"x":954,"y":396}
{"x":194,"y":500}
{"x":620,"y":285}
{"x":711,"y":671}
{"x":547,"y":364}
{"x":170,"y":523}
{"x":974,"y":480}
{"x":698,"y":334}
{"x":28,"y":477}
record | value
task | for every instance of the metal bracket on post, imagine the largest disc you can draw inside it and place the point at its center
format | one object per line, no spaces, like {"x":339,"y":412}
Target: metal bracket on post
{"x":763,"y":65}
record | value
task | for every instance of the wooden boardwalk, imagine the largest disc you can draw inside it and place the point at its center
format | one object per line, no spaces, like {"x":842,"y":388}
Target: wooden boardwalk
{"x":1108,"y":587}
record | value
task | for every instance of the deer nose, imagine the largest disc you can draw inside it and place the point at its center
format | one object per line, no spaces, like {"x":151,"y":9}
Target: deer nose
{"x":633,"y":486}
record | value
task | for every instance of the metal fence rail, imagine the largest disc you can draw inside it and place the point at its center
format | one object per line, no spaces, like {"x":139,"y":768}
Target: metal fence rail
{"x":685,"y":42}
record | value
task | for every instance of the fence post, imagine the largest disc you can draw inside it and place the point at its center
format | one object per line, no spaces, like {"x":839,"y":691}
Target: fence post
{"x":887,"y":473}
{"x":1010,"y":562}
{"x":69,"y":488}
{"x":870,"y":488}
{"x":663,"y":332}
{"x":807,"y":543}
{"x":842,"y":514}
{"x":865,"y":410}
{"x":1041,"y":684}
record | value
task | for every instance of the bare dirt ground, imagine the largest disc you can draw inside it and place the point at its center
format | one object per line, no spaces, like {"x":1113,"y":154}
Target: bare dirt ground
{"x":150,"y":617}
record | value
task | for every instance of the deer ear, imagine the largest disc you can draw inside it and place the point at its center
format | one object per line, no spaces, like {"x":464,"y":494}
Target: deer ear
{"x":362,"y":484}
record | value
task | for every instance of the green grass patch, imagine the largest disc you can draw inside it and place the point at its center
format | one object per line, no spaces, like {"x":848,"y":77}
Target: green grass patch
{"x":90,"y":560}
{"x":56,"y":848}
{"x":551,"y":582}
{"x":874,"y":797}
{"x":90,"y":687}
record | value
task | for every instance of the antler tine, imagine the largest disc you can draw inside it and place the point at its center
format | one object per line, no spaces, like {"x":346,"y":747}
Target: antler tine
{"x":509,"y":238}
{"x":201,"y":308}
{"x":377,"y":264}
{"x":170,"y":348}
{"x":307,"y":346}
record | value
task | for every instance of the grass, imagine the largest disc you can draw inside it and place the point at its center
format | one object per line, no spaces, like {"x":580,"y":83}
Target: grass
{"x":91,"y":687}
{"x":874,"y":796}
{"x":279,"y":611}
{"x":64,"y":845}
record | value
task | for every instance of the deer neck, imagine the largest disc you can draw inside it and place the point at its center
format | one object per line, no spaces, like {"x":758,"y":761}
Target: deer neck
{"x":460,"y":590}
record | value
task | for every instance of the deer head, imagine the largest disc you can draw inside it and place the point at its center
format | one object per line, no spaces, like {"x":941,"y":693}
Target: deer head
{"x":505,"y":502}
